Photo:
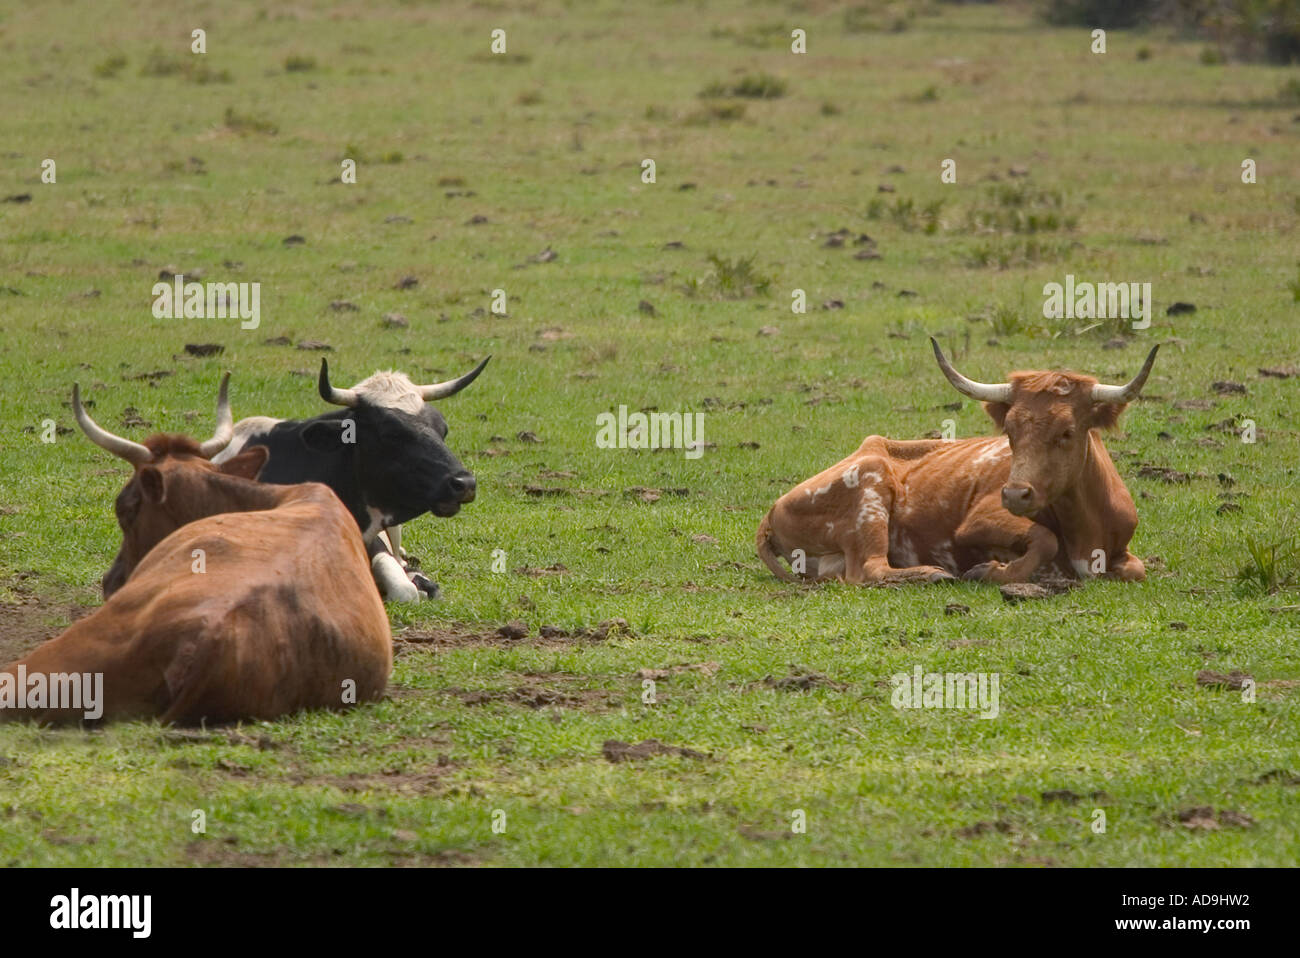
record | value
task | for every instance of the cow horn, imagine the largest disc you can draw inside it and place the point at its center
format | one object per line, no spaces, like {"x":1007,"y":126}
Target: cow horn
{"x":1130,"y":390}
{"x":132,"y":452}
{"x":339,"y":397}
{"x":451,"y":386}
{"x":225,"y":424}
{"x":984,"y":392}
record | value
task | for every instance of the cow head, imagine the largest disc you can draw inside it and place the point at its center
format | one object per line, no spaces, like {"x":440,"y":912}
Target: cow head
{"x":402,"y":464}
{"x":173,"y":484}
{"x":1048,"y":418}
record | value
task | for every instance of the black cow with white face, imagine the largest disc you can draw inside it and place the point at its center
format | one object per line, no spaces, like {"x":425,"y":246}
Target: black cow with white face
{"x":385,"y":457}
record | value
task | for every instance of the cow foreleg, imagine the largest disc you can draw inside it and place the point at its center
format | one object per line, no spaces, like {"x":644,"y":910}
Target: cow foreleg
{"x":991,"y":528}
{"x":393,"y":582}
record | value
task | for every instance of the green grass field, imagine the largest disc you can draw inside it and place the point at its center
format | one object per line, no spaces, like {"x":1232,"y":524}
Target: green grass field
{"x":1113,"y":168}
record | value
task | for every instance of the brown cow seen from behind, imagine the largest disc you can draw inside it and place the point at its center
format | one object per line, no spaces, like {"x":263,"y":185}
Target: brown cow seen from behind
{"x":230,"y":599}
{"x":1043,"y":494}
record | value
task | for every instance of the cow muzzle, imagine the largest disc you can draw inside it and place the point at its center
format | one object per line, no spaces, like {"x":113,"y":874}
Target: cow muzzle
{"x":460,"y":490}
{"x":1018,"y":498}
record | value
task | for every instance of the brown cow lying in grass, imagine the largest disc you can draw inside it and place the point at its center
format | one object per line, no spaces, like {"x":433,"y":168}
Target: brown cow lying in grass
{"x":998,"y":508}
{"x":233,"y":599}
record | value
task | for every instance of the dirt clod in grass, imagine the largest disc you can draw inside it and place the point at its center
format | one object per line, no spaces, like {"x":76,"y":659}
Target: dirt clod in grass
{"x":1204,"y":818}
{"x":803,"y":680}
{"x":1180,"y":309}
{"x":1024,"y":591}
{"x":1277,"y":776}
{"x":514,"y":629}
{"x":1233,"y":680}
{"x":704,"y":668}
{"x":1226,"y":387}
{"x":204,"y":349}
{"x":1279,"y":372}
{"x":294,"y":240}
{"x":1001,"y":826}
{"x":1163,"y":473}
{"x":533,"y":572}
{"x":537,"y":695}
{"x":315,"y":344}
{"x":956,"y":608}
{"x":616,"y":751}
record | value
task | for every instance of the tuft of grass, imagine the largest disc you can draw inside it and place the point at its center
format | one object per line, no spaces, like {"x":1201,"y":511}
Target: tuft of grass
{"x":1289,"y":92}
{"x":1294,"y":285}
{"x":110,"y":67}
{"x":1015,"y":254}
{"x":246,"y":123}
{"x":1269,"y":566}
{"x":727,"y":111}
{"x":1006,"y":321}
{"x":730,"y":279}
{"x":1021,"y":208}
{"x":191,"y":67}
{"x":299,"y":63}
{"x":754,"y":86}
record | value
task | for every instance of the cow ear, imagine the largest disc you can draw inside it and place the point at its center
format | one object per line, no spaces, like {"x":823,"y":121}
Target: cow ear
{"x":247,"y":464}
{"x":1106,"y":414}
{"x":152,"y":484}
{"x":324,"y":436}
{"x":997,"y":412}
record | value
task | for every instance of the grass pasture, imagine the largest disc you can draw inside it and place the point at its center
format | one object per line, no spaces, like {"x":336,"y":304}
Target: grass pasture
{"x":675,"y":295}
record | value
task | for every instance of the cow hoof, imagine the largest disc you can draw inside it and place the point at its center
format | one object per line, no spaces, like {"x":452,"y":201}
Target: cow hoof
{"x":941,"y":576}
{"x":428,"y":588}
{"x":980,"y":572}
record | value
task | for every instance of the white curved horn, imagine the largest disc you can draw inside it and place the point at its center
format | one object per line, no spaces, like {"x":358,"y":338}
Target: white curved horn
{"x":225,"y":424}
{"x":339,"y":397}
{"x":132,"y":452}
{"x":984,"y":392}
{"x":1130,"y":390}
{"x":451,"y":386}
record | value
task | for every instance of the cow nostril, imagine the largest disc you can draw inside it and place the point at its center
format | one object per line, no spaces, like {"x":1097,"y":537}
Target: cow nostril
{"x":463,"y":487}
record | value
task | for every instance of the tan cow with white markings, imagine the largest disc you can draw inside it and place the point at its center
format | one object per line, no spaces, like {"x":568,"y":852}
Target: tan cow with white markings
{"x":1044,"y":493}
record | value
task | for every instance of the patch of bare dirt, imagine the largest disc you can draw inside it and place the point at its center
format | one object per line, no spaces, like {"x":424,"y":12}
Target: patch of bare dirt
{"x":423,"y":780}
{"x":1204,"y":818}
{"x":1232,"y":680}
{"x":616,"y":751}
{"x":1001,"y":826}
{"x":514,"y":634}
{"x":801,"y":680}
{"x":544,"y":690}
{"x":27,"y":624}
{"x":707,"y":669}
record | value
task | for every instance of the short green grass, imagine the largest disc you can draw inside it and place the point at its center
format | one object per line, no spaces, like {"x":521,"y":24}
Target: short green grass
{"x":211,"y":163}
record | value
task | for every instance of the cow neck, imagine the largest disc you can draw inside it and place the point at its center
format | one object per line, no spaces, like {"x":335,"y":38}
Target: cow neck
{"x":1083,"y":510}
{"x":247,"y":495}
